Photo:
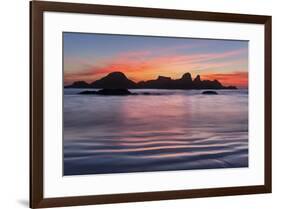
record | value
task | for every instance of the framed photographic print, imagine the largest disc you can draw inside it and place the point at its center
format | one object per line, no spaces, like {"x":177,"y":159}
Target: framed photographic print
{"x":139,"y":104}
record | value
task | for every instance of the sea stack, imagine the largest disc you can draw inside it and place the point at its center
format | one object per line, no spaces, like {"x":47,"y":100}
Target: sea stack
{"x":210,"y":92}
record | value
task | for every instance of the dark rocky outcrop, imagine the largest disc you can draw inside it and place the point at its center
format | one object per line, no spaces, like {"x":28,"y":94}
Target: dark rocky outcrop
{"x":210,"y":92}
{"x":118,"y":80}
{"x":197,"y":79}
{"x":114,"y":92}
{"x":125,"y":92}
{"x":108,"y":92}
{"x":79,"y":84}
{"x":88,"y":92}
{"x":114,"y":80}
{"x":161,"y":82}
{"x":185,"y":82}
{"x":186,"y":77}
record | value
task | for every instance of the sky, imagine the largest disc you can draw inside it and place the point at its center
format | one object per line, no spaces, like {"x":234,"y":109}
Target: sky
{"x":89,"y":57}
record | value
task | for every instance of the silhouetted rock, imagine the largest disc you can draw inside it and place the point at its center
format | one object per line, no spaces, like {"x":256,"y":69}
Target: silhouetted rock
{"x":207,"y":84}
{"x":161,"y":82}
{"x":88,"y":92}
{"x":79,"y":84}
{"x":185,"y":82}
{"x":114,"y":92}
{"x":197,"y":83}
{"x":210,"y":92}
{"x":109,"y":92}
{"x":163,"y":78}
{"x":115,"y":80}
{"x":186,"y":77}
{"x":197,"y":79}
{"x":230,"y":87}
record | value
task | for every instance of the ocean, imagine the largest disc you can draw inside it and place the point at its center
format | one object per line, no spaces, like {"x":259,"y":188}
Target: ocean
{"x":173,"y":130}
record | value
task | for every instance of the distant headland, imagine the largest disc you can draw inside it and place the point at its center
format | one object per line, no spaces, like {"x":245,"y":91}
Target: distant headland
{"x":118,"y":80}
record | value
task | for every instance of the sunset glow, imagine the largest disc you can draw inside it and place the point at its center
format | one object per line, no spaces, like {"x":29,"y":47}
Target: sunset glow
{"x":89,"y":57}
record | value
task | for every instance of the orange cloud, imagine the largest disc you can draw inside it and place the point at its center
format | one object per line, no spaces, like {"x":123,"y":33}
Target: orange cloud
{"x":146,"y":65}
{"x":239,"y":79}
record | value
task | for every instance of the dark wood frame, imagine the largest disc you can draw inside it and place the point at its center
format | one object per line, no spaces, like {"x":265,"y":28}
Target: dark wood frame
{"x":37,"y":9}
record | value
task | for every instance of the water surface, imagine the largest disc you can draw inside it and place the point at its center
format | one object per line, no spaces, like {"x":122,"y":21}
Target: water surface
{"x":176,"y":130}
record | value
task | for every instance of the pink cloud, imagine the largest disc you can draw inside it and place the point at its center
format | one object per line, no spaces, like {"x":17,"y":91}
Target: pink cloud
{"x":146,"y":64}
